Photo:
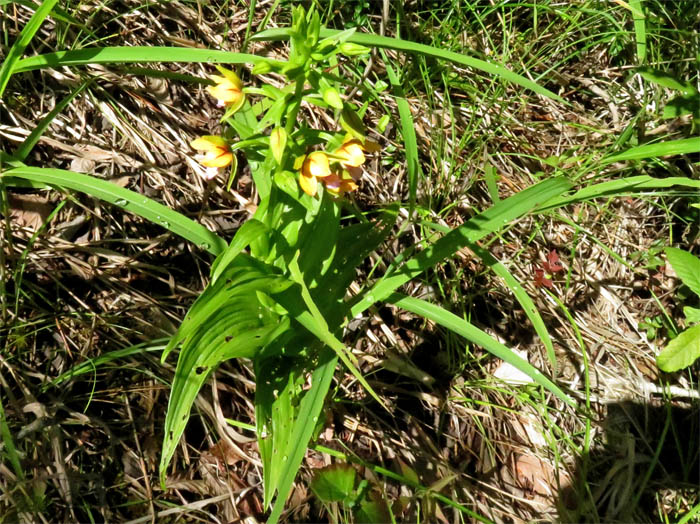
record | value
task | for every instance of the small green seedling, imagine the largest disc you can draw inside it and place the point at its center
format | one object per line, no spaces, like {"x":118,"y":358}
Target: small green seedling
{"x":683,"y":350}
{"x":337,"y":484}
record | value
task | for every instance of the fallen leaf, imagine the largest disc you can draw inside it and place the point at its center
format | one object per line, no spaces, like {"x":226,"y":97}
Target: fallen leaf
{"x":29,"y":210}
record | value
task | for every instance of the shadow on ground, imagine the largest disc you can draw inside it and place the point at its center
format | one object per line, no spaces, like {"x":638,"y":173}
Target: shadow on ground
{"x":648,"y":469}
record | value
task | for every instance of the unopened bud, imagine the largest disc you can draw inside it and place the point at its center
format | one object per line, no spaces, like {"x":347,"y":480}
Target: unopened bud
{"x":351,"y":49}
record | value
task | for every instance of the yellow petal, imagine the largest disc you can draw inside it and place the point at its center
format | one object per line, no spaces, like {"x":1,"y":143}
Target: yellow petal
{"x":308,"y":184}
{"x":226,"y":93}
{"x":209,"y":143}
{"x":231,"y":77}
{"x":214,"y":159}
{"x":316,"y":165}
{"x":351,"y":153}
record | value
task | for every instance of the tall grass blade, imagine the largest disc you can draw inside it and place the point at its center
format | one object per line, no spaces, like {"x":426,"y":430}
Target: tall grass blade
{"x":408,"y":131}
{"x":10,"y":448}
{"x":613,"y":188}
{"x":17,"y":49}
{"x":640,"y":29}
{"x":398,"y":44}
{"x":26,"y":147}
{"x":684,"y":146}
{"x":91,"y":364}
{"x":517,"y":289}
{"x":474,"y":334}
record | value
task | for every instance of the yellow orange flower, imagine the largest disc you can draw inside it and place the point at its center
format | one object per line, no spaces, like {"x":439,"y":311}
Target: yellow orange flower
{"x":228,"y":89}
{"x":315,"y":165}
{"x":216,"y":153}
{"x":352,"y":152}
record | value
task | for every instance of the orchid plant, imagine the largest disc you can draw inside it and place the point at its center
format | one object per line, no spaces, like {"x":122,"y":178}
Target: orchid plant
{"x":281,"y":302}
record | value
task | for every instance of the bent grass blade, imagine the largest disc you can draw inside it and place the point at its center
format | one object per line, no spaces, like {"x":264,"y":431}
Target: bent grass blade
{"x":129,"y":200}
{"x":485,"y":223}
{"x":8,"y":66}
{"x":136,"y":54}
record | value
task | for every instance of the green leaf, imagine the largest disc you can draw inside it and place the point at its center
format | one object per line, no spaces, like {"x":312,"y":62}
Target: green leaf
{"x":686,"y":266}
{"x":312,"y":319}
{"x":129,"y":200}
{"x":692,"y":314}
{"x":304,"y":425}
{"x":663,"y":79}
{"x":683,"y":105}
{"x":277,"y":393}
{"x":335,"y":483}
{"x":683,"y":146}
{"x":246,"y":234}
{"x":477,"y":336}
{"x":227,"y":321}
{"x":374,"y":509}
{"x":681,"y":352}
{"x":278,"y":143}
{"x":489,"y":221}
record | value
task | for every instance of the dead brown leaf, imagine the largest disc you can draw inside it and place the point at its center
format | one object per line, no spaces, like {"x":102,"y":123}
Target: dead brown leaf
{"x":29,"y":210}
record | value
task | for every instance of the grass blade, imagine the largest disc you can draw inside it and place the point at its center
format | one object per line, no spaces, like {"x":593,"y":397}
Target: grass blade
{"x":398,"y":44}
{"x":517,"y":289}
{"x":129,"y":200}
{"x":473,"y":230}
{"x":10,"y":448}
{"x":92,"y":364}
{"x":474,"y":334}
{"x":408,"y":131}
{"x":523,"y":299}
{"x":125,"y":55}
{"x":17,"y":50}
{"x":623,"y":186}
{"x":640,"y":29}
{"x":683,"y":146}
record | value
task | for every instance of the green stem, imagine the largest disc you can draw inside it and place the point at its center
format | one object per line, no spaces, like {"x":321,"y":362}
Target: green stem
{"x":295,"y":105}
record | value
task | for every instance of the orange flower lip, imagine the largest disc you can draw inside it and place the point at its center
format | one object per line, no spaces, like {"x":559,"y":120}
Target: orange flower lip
{"x":316,"y":164}
{"x":216,"y":151}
